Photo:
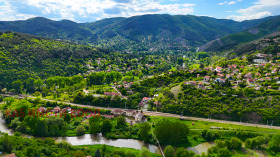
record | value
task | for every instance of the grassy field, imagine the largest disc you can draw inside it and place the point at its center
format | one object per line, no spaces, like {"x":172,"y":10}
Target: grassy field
{"x":195,"y":66}
{"x":111,"y":149}
{"x":200,"y":125}
{"x":175,"y":90}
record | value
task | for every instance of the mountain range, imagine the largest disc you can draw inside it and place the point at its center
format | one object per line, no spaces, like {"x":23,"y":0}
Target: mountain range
{"x":159,"y":32}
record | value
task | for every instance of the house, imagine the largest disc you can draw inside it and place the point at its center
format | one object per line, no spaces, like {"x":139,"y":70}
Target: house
{"x":248,"y":75}
{"x":209,"y":68}
{"x":258,"y":74}
{"x":145,"y":100}
{"x":67,"y":109}
{"x":228,"y":76}
{"x":268,"y":78}
{"x":206,"y":78}
{"x":117,"y":112}
{"x":193,"y":83}
{"x":10,"y":155}
{"x":222,"y":81}
{"x":220,"y":75}
{"x":274,"y":71}
{"x":139,"y":117}
{"x":126,"y":87}
{"x":107,"y":116}
{"x":42,"y":109}
{"x":200,"y":86}
{"x":239,"y":76}
{"x":157,"y":103}
{"x":250,"y":80}
{"x":218,"y":69}
{"x":130,"y":113}
{"x":119,"y":86}
{"x":56,"y":109}
{"x":236,"y":71}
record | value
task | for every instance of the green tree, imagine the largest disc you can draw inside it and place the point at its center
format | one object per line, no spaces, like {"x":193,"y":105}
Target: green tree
{"x":97,"y":153}
{"x":42,"y":128}
{"x":7,"y":145}
{"x":106,"y":126}
{"x":17,"y":86}
{"x":235,"y":143}
{"x":121,"y":122}
{"x":80,"y":130}
{"x":67,"y":117}
{"x":124,"y":92}
{"x":144,"y":131}
{"x":130,"y":154}
{"x":223,"y":152}
{"x":274,"y":143}
{"x":145,"y":152}
{"x":182,"y":152}
{"x":168,"y":132}
{"x":169,"y":151}
{"x":95,"y":125}
{"x":79,"y":153}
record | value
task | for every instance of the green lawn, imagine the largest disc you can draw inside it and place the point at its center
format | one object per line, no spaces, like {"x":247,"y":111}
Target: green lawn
{"x":175,"y":90}
{"x":207,"y":125}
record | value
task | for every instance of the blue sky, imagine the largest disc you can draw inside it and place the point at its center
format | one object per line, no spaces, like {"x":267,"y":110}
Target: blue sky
{"x":92,"y":10}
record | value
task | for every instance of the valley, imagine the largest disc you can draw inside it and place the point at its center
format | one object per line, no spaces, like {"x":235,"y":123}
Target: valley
{"x":191,"y":85}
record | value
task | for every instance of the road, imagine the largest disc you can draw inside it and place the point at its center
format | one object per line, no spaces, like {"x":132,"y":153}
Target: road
{"x":151,"y":113}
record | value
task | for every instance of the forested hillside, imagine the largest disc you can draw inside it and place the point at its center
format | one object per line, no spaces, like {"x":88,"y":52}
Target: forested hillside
{"x":23,"y":56}
{"x":156,"y":33}
{"x":235,"y":40}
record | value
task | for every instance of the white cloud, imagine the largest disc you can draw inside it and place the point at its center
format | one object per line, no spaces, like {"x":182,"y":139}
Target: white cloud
{"x":250,"y":16}
{"x":93,"y":9}
{"x":8,"y":13}
{"x":231,"y":2}
{"x":223,"y":3}
{"x":260,"y":9}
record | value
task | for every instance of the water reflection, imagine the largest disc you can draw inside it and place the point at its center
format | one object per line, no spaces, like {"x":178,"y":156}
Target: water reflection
{"x":89,"y":139}
{"x":203,"y":147}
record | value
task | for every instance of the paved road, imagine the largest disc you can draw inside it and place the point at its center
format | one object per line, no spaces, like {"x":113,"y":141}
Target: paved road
{"x":150,"y":113}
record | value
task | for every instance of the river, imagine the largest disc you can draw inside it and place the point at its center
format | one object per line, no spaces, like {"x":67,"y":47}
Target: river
{"x":89,"y":139}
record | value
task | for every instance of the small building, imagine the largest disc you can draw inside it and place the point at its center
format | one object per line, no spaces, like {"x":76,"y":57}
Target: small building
{"x":268,"y":78}
{"x":200,"y":86}
{"x":56,"y":109}
{"x":42,"y":109}
{"x":10,"y":155}
{"x":206,"y":78}
{"x":118,"y":112}
{"x":130,"y":113}
{"x":250,"y":80}
{"x":218,"y":69}
{"x":193,"y":83}
{"x":107,"y":116}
